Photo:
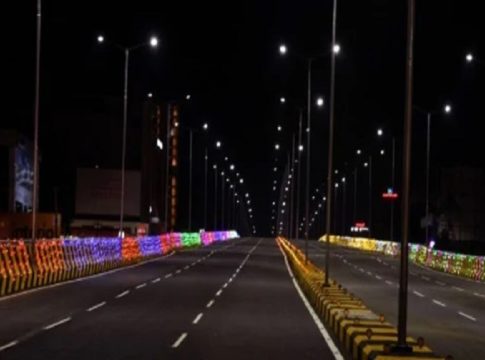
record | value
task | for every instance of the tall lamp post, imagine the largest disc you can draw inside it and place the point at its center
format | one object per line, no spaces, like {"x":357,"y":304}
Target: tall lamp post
{"x":153,"y":42}
{"x":335,"y":51}
{"x":402,"y":345}
{"x":36,"y":122}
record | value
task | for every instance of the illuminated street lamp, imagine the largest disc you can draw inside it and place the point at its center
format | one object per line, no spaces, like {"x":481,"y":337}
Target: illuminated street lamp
{"x":153,"y":42}
{"x":283,"y":49}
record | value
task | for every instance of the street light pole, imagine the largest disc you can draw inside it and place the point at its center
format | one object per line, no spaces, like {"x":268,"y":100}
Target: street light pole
{"x":191,"y":139}
{"x":308,"y":132}
{"x":393,"y":175}
{"x":297,"y":217}
{"x":402,"y":345}
{"x":215,"y":197}
{"x":123,"y":146}
{"x":206,"y":160}
{"x":167,"y":169}
{"x":292,"y":187}
{"x":370,"y":195}
{"x":36,"y":122}
{"x":355,"y":195}
{"x":428,"y":147}
{"x":330,"y":144}
{"x":222,"y":200}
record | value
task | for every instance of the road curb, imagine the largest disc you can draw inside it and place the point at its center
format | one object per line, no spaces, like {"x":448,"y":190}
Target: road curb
{"x":362,"y":333}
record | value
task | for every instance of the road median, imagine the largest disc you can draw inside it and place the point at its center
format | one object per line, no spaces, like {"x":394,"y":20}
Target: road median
{"x":361,"y":333}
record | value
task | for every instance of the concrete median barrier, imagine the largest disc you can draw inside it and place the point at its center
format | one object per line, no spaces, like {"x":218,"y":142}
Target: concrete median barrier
{"x":24,"y":265}
{"x":363,"y":334}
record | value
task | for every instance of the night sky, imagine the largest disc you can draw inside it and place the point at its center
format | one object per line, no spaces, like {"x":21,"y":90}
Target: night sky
{"x":226,"y":56}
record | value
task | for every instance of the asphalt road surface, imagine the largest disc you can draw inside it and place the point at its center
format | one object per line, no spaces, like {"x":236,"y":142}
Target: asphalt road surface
{"x":234,"y":300}
{"x":448,"y":311}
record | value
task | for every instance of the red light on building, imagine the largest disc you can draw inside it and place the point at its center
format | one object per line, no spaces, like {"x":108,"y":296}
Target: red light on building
{"x":390,"y":194}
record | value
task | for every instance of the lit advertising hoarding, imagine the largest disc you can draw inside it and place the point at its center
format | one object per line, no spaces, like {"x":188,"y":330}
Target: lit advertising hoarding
{"x":98,"y":192}
{"x":24,"y":177}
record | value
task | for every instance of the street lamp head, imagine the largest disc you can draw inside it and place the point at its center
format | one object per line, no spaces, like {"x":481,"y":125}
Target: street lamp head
{"x":214,"y":167}
{"x":343,"y":180}
{"x":232,"y":167}
{"x":383,"y":152}
{"x":275,"y":169}
{"x":469,"y":57}
{"x":153,"y":41}
{"x":447,"y":108}
{"x":226,"y":159}
{"x":366,"y":164}
{"x":241,"y":181}
{"x":218,"y":144}
{"x":100,"y":39}
{"x":282,"y":100}
{"x":359,"y":152}
{"x":150,"y":95}
{"x":205,"y":126}
{"x":283,"y":49}
{"x":279,"y":128}
{"x":336,"y":49}
{"x":188,"y":97}
{"x":300,"y":148}
{"x":277,"y":146}
{"x":222,"y":173}
{"x":320,"y":102}
{"x":380,"y":132}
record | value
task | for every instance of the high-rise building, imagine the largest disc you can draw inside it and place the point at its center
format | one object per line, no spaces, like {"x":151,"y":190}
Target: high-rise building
{"x":160,"y":164}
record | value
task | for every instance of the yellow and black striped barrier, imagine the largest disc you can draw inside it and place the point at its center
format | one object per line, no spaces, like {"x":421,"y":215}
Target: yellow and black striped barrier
{"x":362,"y":333}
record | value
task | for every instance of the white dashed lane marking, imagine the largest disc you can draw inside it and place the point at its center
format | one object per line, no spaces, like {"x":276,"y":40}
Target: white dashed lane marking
{"x":56,"y":324}
{"x":97,"y":306}
{"x":439,"y":303}
{"x":469,"y":317}
{"x":179,"y":341}
{"x":210,"y":303}
{"x":9,"y":345}
{"x":197,"y":318}
{"x":141,"y":286}
{"x":124,"y":293}
{"x":154,"y":281}
{"x":417,"y":293}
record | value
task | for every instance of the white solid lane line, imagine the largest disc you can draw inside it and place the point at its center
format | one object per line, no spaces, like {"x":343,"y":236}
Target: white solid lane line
{"x":97,"y":306}
{"x":323,"y":331}
{"x":57,"y":323}
{"x":197,"y":318}
{"x":439,"y":303}
{"x":210,"y":303}
{"x":124,"y":293}
{"x":417,"y":293}
{"x":177,"y":343}
{"x":141,"y":286}
{"x":154,"y":281}
{"x":9,"y":345}
{"x":469,"y":317}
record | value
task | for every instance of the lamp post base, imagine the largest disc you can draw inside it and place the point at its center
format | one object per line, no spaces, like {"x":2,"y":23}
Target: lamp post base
{"x":401,"y":349}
